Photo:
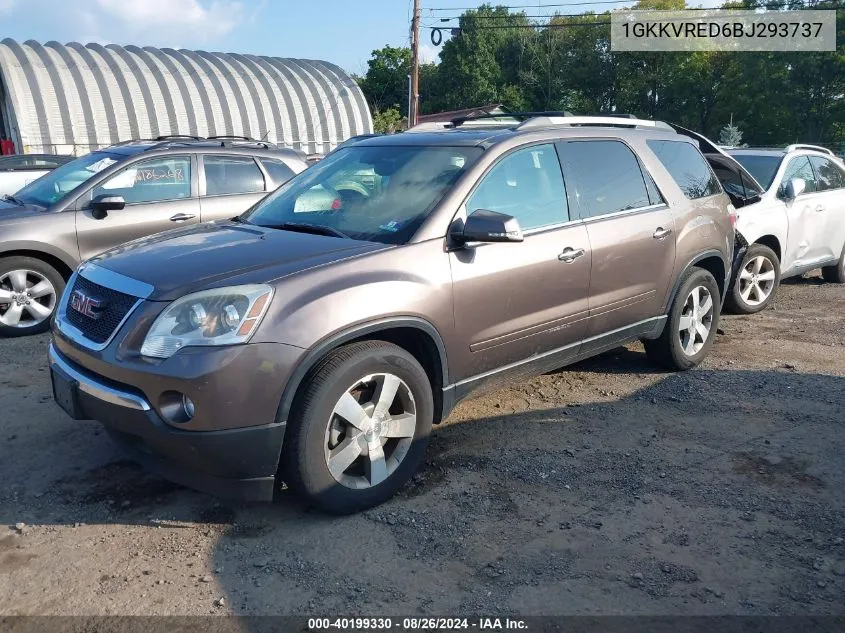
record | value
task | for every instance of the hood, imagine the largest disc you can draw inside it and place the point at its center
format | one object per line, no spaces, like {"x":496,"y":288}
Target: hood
{"x":9,"y":209}
{"x":737,"y":181}
{"x":219,"y":254}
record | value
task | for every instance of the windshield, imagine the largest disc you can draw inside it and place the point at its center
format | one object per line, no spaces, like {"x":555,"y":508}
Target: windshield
{"x":373,"y":193}
{"x":53,"y":186}
{"x":762,"y":166}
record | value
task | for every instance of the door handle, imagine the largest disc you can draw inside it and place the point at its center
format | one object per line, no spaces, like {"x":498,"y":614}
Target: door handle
{"x":819,"y":209}
{"x":570,"y":254}
{"x":181,"y":217}
{"x":661,"y":233}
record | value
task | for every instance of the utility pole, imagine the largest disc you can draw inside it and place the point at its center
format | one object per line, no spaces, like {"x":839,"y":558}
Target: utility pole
{"x":414,"y":93}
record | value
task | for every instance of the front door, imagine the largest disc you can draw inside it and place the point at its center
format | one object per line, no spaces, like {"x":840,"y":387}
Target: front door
{"x":805,"y":216}
{"x":631,"y":232}
{"x":514,"y":301}
{"x":158,"y":195}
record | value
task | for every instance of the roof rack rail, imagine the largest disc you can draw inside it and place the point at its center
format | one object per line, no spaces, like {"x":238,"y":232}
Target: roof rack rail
{"x":505,"y":115}
{"x":429,"y":126}
{"x":611,"y":120}
{"x":817,"y":148}
{"x":179,"y":137}
{"x":231,"y":137}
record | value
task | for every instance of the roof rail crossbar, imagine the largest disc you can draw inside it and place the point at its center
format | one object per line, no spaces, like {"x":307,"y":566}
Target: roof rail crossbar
{"x":817,"y":148}
{"x":592,"y":121}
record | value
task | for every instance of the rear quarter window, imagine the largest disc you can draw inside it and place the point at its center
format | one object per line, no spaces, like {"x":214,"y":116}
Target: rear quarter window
{"x":687,"y":167}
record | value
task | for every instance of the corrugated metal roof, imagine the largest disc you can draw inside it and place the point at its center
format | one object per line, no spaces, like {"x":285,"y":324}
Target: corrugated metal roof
{"x":73,"y":98}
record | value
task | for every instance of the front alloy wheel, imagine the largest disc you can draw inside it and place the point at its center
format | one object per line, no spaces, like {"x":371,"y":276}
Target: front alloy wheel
{"x":359,"y":427}
{"x":29,"y":293}
{"x":370,"y":431}
{"x":757,"y":280}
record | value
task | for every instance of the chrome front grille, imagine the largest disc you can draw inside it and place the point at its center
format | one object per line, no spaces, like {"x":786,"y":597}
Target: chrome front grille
{"x":96,"y":303}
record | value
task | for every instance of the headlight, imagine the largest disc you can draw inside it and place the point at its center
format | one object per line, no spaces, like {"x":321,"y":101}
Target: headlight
{"x":223,"y":316}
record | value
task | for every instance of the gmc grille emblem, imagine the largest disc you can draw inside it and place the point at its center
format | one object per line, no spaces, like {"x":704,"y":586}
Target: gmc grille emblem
{"x":82,"y":303}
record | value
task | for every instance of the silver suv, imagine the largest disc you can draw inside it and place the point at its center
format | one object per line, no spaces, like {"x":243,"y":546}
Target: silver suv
{"x":111,"y":196}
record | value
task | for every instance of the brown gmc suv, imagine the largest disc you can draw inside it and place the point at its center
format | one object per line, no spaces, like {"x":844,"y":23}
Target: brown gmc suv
{"x":315,"y":339}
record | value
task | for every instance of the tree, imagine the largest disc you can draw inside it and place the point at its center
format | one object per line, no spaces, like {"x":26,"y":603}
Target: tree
{"x":566,"y":63}
{"x":386,"y":82}
{"x":387,"y":121}
{"x":730,"y":135}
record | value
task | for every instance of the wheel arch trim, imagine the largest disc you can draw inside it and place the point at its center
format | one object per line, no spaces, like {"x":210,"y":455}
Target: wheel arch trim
{"x":318,"y":351}
{"x":36,"y":250}
{"x":723,"y":285}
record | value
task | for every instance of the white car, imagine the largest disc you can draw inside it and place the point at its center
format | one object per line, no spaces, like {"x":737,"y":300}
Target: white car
{"x":18,"y":170}
{"x":790,"y":210}
{"x":797,"y":225}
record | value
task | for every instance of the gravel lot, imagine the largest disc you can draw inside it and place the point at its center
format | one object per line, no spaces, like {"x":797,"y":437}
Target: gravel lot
{"x":607,"y":487}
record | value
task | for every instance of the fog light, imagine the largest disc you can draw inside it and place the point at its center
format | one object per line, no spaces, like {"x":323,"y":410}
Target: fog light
{"x":188,"y":407}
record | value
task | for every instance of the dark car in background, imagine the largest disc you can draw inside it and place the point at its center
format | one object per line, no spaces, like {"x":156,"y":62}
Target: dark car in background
{"x":115,"y":195}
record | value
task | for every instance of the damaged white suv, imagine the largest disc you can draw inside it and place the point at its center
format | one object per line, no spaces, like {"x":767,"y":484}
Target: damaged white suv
{"x":790,"y":216}
{"x":797,"y":226}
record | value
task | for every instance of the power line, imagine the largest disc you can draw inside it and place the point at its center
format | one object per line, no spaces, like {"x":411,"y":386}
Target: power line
{"x":816,"y":4}
{"x":543,"y":6}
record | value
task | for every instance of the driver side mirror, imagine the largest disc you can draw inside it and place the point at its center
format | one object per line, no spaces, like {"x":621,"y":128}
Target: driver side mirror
{"x":488,"y":226}
{"x":794,"y":188}
{"x":101,"y":205}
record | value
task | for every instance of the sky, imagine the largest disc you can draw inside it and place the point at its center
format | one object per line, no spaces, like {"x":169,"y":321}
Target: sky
{"x":341,"y":31}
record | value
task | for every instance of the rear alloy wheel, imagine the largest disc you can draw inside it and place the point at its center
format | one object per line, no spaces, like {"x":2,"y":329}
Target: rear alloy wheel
{"x":359,"y":428}
{"x":756,"y":281}
{"x":692,"y":322}
{"x":29,"y":292}
{"x":835,"y":274}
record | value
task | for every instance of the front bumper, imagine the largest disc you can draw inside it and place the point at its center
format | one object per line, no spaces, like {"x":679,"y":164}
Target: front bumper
{"x":236,"y":462}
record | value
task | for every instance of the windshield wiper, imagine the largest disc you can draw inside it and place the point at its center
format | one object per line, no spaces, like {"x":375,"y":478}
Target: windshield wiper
{"x":17,"y":201}
{"x":304,"y":227}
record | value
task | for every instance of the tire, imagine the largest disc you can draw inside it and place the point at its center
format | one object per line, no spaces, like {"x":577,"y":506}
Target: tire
{"x":682,"y":350}
{"x":22,"y":314}
{"x":835,"y":274}
{"x":751,"y":291}
{"x":318,"y":433}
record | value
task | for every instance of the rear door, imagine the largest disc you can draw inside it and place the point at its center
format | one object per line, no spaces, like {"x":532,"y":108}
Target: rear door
{"x":830,"y":182}
{"x":278,"y":173}
{"x":513,"y":301}
{"x":630,"y":228}
{"x":229,"y":185}
{"x":160,"y":194}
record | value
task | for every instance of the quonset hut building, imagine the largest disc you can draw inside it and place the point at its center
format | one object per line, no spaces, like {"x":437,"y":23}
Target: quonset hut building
{"x":71,"y":99}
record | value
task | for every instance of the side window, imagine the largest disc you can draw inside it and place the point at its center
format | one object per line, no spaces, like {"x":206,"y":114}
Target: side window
{"x":828,"y":174}
{"x":231,"y":174}
{"x":154,"y":180}
{"x":798,"y":167}
{"x":526,"y":184}
{"x":279,"y":172}
{"x":687,"y":167}
{"x":607,"y":176}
